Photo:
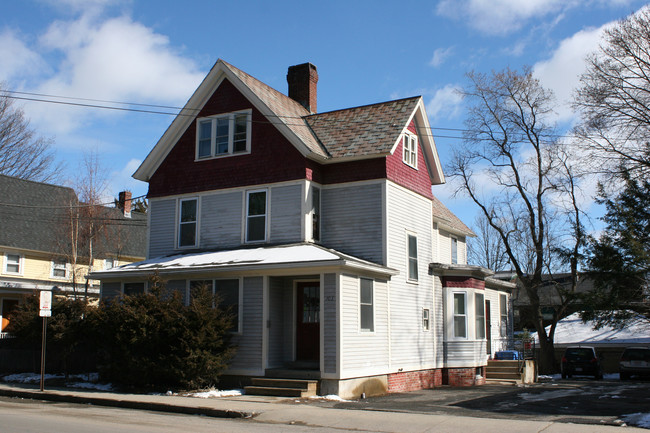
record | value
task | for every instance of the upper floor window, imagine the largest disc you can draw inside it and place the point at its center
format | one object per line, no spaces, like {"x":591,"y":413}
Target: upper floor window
{"x":225,"y":134}
{"x":413,"y":257}
{"x":315,"y":213}
{"x":460,"y":315}
{"x":454,"y":250}
{"x":187,"y":222}
{"x":366,"y":309}
{"x":110,"y":263}
{"x":59,"y":269}
{"x":13,"y":264}
{"x":410,"y":145}
{"x":256,"y":216}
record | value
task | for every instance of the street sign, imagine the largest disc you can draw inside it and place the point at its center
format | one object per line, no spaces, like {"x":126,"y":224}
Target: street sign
{"x":46,"y":304}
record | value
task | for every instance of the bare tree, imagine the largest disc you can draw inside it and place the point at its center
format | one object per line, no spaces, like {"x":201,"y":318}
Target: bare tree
{"x":614,"y":99}
{"x":22,"y":153}
{"x":532,"y":201}
{"x":487,"y":248}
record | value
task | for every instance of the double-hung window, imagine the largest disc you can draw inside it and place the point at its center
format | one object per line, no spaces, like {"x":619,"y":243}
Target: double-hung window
{"x":187,"y":222}
{"x":503,"y":306}
{"x":426,"y":320}
{"x":410,"y":145}
{"x":413,"y":257}
{"x":366,"y":305}
{"x":59,"y":269}
{"x":227,"y":291}
{"x":479,"y":306}
{"x":460,"y":315}
{"x":225,"y":134}
{"x":454,"y":250}
{"x":256,"y":206}
{"x":13,"y":264}
{"x":315,"y":214}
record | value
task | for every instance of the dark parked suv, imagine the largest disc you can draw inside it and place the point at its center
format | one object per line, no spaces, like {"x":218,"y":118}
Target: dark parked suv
{"x":581,"y":360}
{"x":634,"y":361}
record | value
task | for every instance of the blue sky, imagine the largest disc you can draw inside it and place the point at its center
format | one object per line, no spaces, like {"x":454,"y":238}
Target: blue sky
{"x":157,"y":52}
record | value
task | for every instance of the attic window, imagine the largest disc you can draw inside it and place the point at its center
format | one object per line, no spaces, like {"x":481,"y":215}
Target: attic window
{"x":223,"y":135}
{"x":410,"y":146}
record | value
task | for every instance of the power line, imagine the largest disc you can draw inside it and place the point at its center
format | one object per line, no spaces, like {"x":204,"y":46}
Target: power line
{"x":79,"y":206}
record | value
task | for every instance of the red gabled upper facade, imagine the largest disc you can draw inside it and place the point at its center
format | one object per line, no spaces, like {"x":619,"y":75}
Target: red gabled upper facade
{"x":275,"y":158}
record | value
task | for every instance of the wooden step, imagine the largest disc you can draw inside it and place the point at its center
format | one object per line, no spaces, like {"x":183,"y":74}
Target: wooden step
{"x":282,"y":387}
{"x":503,"y":375}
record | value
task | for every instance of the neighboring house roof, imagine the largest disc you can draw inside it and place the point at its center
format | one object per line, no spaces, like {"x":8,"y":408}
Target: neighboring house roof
{"x":360,"y":132}
{"x":243,"y":259}
{"x":572,"y":330}
{"x":34,"y":216}
{"x":450,"y":222}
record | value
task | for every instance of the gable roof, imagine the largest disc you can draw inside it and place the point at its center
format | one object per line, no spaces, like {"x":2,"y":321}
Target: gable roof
{"x":450,"y":222}
{"x":368,"y":131}
{"x":34,"y":215}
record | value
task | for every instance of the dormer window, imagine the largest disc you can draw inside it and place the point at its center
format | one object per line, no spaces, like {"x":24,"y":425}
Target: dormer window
{"x":223,"y":135}
{"x":410,"y":145}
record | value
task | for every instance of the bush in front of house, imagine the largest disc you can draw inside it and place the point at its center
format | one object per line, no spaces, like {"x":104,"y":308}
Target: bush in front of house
{"x":145,"y":341}
{"x":153,"y":340}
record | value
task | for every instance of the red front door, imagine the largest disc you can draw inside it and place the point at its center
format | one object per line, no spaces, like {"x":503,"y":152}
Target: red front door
{"x":308,"y":322}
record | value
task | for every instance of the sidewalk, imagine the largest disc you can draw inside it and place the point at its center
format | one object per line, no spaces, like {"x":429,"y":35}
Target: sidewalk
{"x":287,"y":411}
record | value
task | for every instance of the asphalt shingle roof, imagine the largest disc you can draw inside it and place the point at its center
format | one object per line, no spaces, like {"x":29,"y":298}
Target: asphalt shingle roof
{"x":34,"y":216}
{"x":443,"y":215}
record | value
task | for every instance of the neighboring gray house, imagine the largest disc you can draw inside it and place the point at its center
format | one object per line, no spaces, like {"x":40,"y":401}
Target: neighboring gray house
{"x":322,"y":231}
{"x":35,"y":242}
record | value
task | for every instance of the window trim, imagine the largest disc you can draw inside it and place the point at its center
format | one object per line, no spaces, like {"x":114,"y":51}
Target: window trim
{"x":503,"y":324}
{"x":59,"y":265}
{"x":144,"y":286}
{"x":266,"y":215}
{"x":115,"y":263}
{"x":231,"y":134}
{"x":316,"y":222}
{"x":372,"y":306}
{"x":410,"y":152}
{"x":179,"y":222}
{"x":409,"y":277}
{"x":5,"y":264}
{"x":454,"y":315}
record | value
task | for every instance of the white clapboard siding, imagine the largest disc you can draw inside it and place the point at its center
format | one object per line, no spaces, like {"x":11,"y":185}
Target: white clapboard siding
{"x":411,"y":346}
{"x":363,"y":351}
{"x":221,"y":220}
{"x":330,"y":302}
{"x":352,"y":220}
{"x":286,"y":213}
{"x":249,"y":343}
{"x":162,"y":227}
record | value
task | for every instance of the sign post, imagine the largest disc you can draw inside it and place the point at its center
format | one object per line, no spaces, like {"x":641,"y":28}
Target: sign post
{"x":45,"y":312}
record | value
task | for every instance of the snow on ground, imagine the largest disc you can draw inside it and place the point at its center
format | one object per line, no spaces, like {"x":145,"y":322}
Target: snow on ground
{"x":215,"y":393}
{"x":637,"y":419}
{"x":85,"y":381}
{"x":332,"y":397}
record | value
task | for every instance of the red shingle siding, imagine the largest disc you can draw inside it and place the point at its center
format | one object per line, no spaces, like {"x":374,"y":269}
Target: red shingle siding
{"x":406,"y":176}
{"x":464,"y":376}
{"x":463,"y":283}
{"x":414,"y":380}
{"x":272,"y":157}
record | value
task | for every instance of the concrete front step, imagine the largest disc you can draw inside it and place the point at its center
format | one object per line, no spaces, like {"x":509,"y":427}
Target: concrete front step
{"x":282,"y":387}
{"x":503,"y":370}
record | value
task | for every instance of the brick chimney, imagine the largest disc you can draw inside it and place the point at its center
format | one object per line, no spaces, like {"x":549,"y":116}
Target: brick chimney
{"x":302,"y":81}
{"x":124,"y":202}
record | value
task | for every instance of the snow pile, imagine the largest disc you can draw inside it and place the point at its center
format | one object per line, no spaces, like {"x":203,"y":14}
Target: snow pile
{"x":85,"y":381}
{"x":215,"y":393}
{"x":637,"y":419}
{"x":332,"y":397}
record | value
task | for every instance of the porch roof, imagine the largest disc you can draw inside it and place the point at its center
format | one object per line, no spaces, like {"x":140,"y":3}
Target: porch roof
{"x":290,"y":256}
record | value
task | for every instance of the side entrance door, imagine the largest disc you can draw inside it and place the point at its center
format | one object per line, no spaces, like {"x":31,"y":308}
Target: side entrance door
{"x":488,"y":329}
{"x":308,"y":322}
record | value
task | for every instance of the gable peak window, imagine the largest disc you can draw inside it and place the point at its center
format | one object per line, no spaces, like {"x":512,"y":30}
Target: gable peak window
{"x":223,"y":135}
{"x":410,"y":149}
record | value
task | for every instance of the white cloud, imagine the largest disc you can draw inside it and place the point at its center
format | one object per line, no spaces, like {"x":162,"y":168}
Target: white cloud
{"x":499,"y":17}
{"x":121,"y":180}
{"x":111,"y":59}
{"x":561,"y":72}
{"x":18,"y":60}
{"x":440,"y":55}
{"x":446,"y":100}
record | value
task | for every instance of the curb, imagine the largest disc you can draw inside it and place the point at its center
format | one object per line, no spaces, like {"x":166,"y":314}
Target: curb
{"x":127,"y":404}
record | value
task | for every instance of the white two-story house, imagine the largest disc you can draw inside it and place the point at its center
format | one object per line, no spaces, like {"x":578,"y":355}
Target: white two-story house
{"x":322,"y":232}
